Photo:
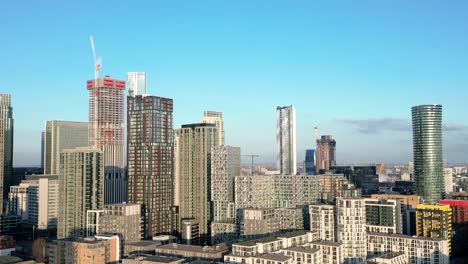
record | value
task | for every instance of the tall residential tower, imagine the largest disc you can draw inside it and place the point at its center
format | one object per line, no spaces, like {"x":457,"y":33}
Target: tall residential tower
{"x":216,"y":118}
{"x":106,"y":132}
{"x":150,"y":161}
{"x":325,"y":155}
{"x":286,"y":140}
{"x":427,"y":150}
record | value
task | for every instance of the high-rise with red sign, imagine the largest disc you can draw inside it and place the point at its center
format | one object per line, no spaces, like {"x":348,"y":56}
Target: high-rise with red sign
{"x":106,"y":132}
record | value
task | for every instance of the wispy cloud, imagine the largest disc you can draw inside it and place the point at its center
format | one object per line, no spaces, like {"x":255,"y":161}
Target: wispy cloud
{"x":378,"y":125}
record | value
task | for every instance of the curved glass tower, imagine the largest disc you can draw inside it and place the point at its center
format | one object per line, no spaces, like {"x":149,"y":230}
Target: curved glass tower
{"x":427,"y":150}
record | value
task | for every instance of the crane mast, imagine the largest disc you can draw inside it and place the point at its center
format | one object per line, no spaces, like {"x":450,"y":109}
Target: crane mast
{"x":97,"y":68}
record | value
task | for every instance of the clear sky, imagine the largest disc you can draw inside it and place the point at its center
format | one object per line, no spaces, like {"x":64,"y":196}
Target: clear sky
{"x":352,"y":68}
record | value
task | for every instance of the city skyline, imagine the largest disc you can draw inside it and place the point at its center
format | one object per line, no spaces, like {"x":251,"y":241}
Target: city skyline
{"x":380,"y":74}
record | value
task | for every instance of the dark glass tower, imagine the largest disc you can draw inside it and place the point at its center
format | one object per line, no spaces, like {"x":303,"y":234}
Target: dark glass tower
{"x":427,"y":150}
{"x":149,"y":155}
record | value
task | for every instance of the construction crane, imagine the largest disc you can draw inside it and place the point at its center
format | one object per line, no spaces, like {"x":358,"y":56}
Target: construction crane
{"x":97,"y":68}
{"x":381,"y":167}
{"x":252,"y":165}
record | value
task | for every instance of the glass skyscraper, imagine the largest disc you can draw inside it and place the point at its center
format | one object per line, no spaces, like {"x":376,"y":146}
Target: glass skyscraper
{"x":427,"y":150}
{"x":310,"y":162}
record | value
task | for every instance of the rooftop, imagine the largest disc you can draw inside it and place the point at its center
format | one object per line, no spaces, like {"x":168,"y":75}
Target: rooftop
{"x":326,"y":243}
{"x":191,"y":248}
{"x":303,"y":250}
{"x":148,"y":257}
{"x":405,"y":236}
{"x":143,"y":243}
{"x":273,"y":257}
{"x":269,"y":239}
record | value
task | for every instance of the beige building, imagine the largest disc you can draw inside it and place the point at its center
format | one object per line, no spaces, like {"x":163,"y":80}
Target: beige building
{"x":212,"y":117}
{"x":389,"y":258}
{"x":121,"y":219}
{"x":192,"y":252}
{"x":322,"y":220}
{"x":81,"y":189}
{"x":336,"y":185}
{"x":151,"y":259}
{"x":256,"y":222}
{"x":351,"y":228}
{"x":58,"y":136}
{"x":88,"y":250}
{"x":6,"y":145}
{"x":332,"y":252}
{"x":36,"y":201}
{"x":195,"y":143}
{"x":432,"y":250}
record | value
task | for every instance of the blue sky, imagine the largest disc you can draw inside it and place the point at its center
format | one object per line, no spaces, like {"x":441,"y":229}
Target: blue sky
{"x":353,"y":68}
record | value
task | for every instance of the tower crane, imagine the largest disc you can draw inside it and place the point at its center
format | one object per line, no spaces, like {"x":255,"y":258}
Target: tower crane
{"x":97,"y":60}
{"x":252,"y":165}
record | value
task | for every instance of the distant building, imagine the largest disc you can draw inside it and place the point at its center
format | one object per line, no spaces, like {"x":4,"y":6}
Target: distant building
{"x":408,"y":205}
{"x":351,"y":231}
{"x":216,"y":118}
{"x":416,"y":249}
{"x":195,"y":142}
{"x":85,"y":250}
{"x":336,"y":185}
{"x":383,"y":216}
{"x":191,"y":253}
{"x":36,"y":201}
{"x":106,"y":132}
{"x":6,"y":145}
{"x":275,"y":191}
{"x":61,"y":135}
{"x":434,"y":221}
{"x":81,"y":184}
{"x":286,"y":140}
{"x":136,"y":82}
{"x":257,"y":222}
{"x":322,"y":220}
{"x":123,"y":220}
{"x":225,"y":165}
{"x":427,"y":148}
{"x":150,"y":161}
{"x":310,"y":161}
{"x":325,"y":155}
{"x":448,"y":178}
{"x":366,"y":179}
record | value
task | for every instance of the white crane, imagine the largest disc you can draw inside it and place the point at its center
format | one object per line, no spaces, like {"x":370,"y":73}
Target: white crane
{"x":97,"y":60}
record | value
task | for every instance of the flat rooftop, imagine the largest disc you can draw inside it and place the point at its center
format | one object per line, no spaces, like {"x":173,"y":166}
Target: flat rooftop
{"x":273,"y":257}
{"x":191,"y":248}
{"x":303,"y":250}
{"x":405,"y":236}
{"x":269,"y":239}
{"x":326,"y":243}
{"x":160,"y":259}
{"x":143,"y":243}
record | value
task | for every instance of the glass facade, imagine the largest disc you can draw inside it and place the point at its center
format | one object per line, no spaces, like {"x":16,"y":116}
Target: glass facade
{"x":310,"y":161}
{"x":427,"y":150}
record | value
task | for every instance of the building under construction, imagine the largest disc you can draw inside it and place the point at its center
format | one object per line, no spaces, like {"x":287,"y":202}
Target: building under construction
{"x":106,"y":132}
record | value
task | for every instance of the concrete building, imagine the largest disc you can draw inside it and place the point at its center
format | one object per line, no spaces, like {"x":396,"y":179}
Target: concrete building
{"x":351,"y":228}
{"x":251,"y":248}
{"x":194,"y":167}
{"x":60,"y":135}
{"x":81,"y":184}
{"x":140,"y":247}
{"x":88,"y":250}
{"x":427,"y":150}
{"x":190,"y":231}
{"x":416,"y":249}
{"x":286,"y":140}
{"x":302,"y":254}
{"x":6,"y":145}
{"x":336,"y":185}
{"x":276,"y":191}
{"x":150,"y":161}
{"x":322,"y":220}
{"x":225,"y":165}
{"x":136,"y":82}
{"x":36,"y":201}
{"x":123,"y":220}
{"x":325,"y":153}
{"x":216,"y":118}
{"x":193,"y":253}
{"x":106,"y":132}
{"x":448,"y":179}
{"x":383,"y":216}
{"x":408,"y":205}
{"x":332,"y":252}
{"x":434,"y":221}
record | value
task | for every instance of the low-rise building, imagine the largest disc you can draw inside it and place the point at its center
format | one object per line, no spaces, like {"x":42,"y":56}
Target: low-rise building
{"x":322,"y":220}
{"x":151,"y":259}
{"x":416,"y":249}
{"x":389,"y":258}
{"x":192,"y":252}
{"x":304,"y":255}
{"x":332,"y":252}
{"x":142,"y":246}
{"x":122,"y":219}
